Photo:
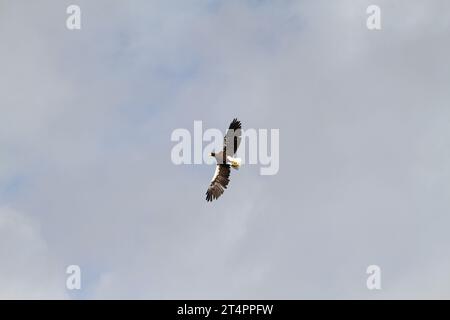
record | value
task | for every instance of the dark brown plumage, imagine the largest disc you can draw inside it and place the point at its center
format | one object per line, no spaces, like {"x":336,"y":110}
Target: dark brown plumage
{"x":232,"y":138}
{"x":221,"y":177}
{"x":220,"y":183}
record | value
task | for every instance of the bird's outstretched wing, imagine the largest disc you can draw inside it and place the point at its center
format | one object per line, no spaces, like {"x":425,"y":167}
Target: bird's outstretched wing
{"x":219,"y":182}
{"x":232,"y":138}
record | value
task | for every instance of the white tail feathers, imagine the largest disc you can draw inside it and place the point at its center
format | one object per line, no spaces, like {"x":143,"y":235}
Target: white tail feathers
{"x":234,"y":162}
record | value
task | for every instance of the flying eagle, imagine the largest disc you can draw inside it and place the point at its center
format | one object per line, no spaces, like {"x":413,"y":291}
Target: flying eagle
{"x":225,"y":161}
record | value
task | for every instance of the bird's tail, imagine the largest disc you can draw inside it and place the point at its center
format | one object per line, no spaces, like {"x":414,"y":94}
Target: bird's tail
{"x":235,"y":162}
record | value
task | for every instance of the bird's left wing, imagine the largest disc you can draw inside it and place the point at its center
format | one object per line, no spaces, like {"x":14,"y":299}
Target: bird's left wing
{"x":232,"y":138}
{"x":219,"y":182}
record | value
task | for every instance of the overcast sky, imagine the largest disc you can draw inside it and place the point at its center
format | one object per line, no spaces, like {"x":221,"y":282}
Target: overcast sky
{"x":86,"y":176}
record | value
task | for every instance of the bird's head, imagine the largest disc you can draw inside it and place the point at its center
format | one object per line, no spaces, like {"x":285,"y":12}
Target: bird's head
{"x":212,"y":154}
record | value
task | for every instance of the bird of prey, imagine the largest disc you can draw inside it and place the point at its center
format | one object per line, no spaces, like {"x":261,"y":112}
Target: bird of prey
{"x":225,"y":161}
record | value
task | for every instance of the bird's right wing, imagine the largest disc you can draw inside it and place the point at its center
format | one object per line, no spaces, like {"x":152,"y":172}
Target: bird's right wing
{"x":219,"y":182}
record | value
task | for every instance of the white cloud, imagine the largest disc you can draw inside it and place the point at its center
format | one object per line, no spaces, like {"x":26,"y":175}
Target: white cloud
{"x":28,"y":270}
{"x":86,"y":123}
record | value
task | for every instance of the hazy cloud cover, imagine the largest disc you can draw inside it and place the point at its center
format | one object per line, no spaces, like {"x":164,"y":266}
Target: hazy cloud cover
{"x":86,"y":176}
